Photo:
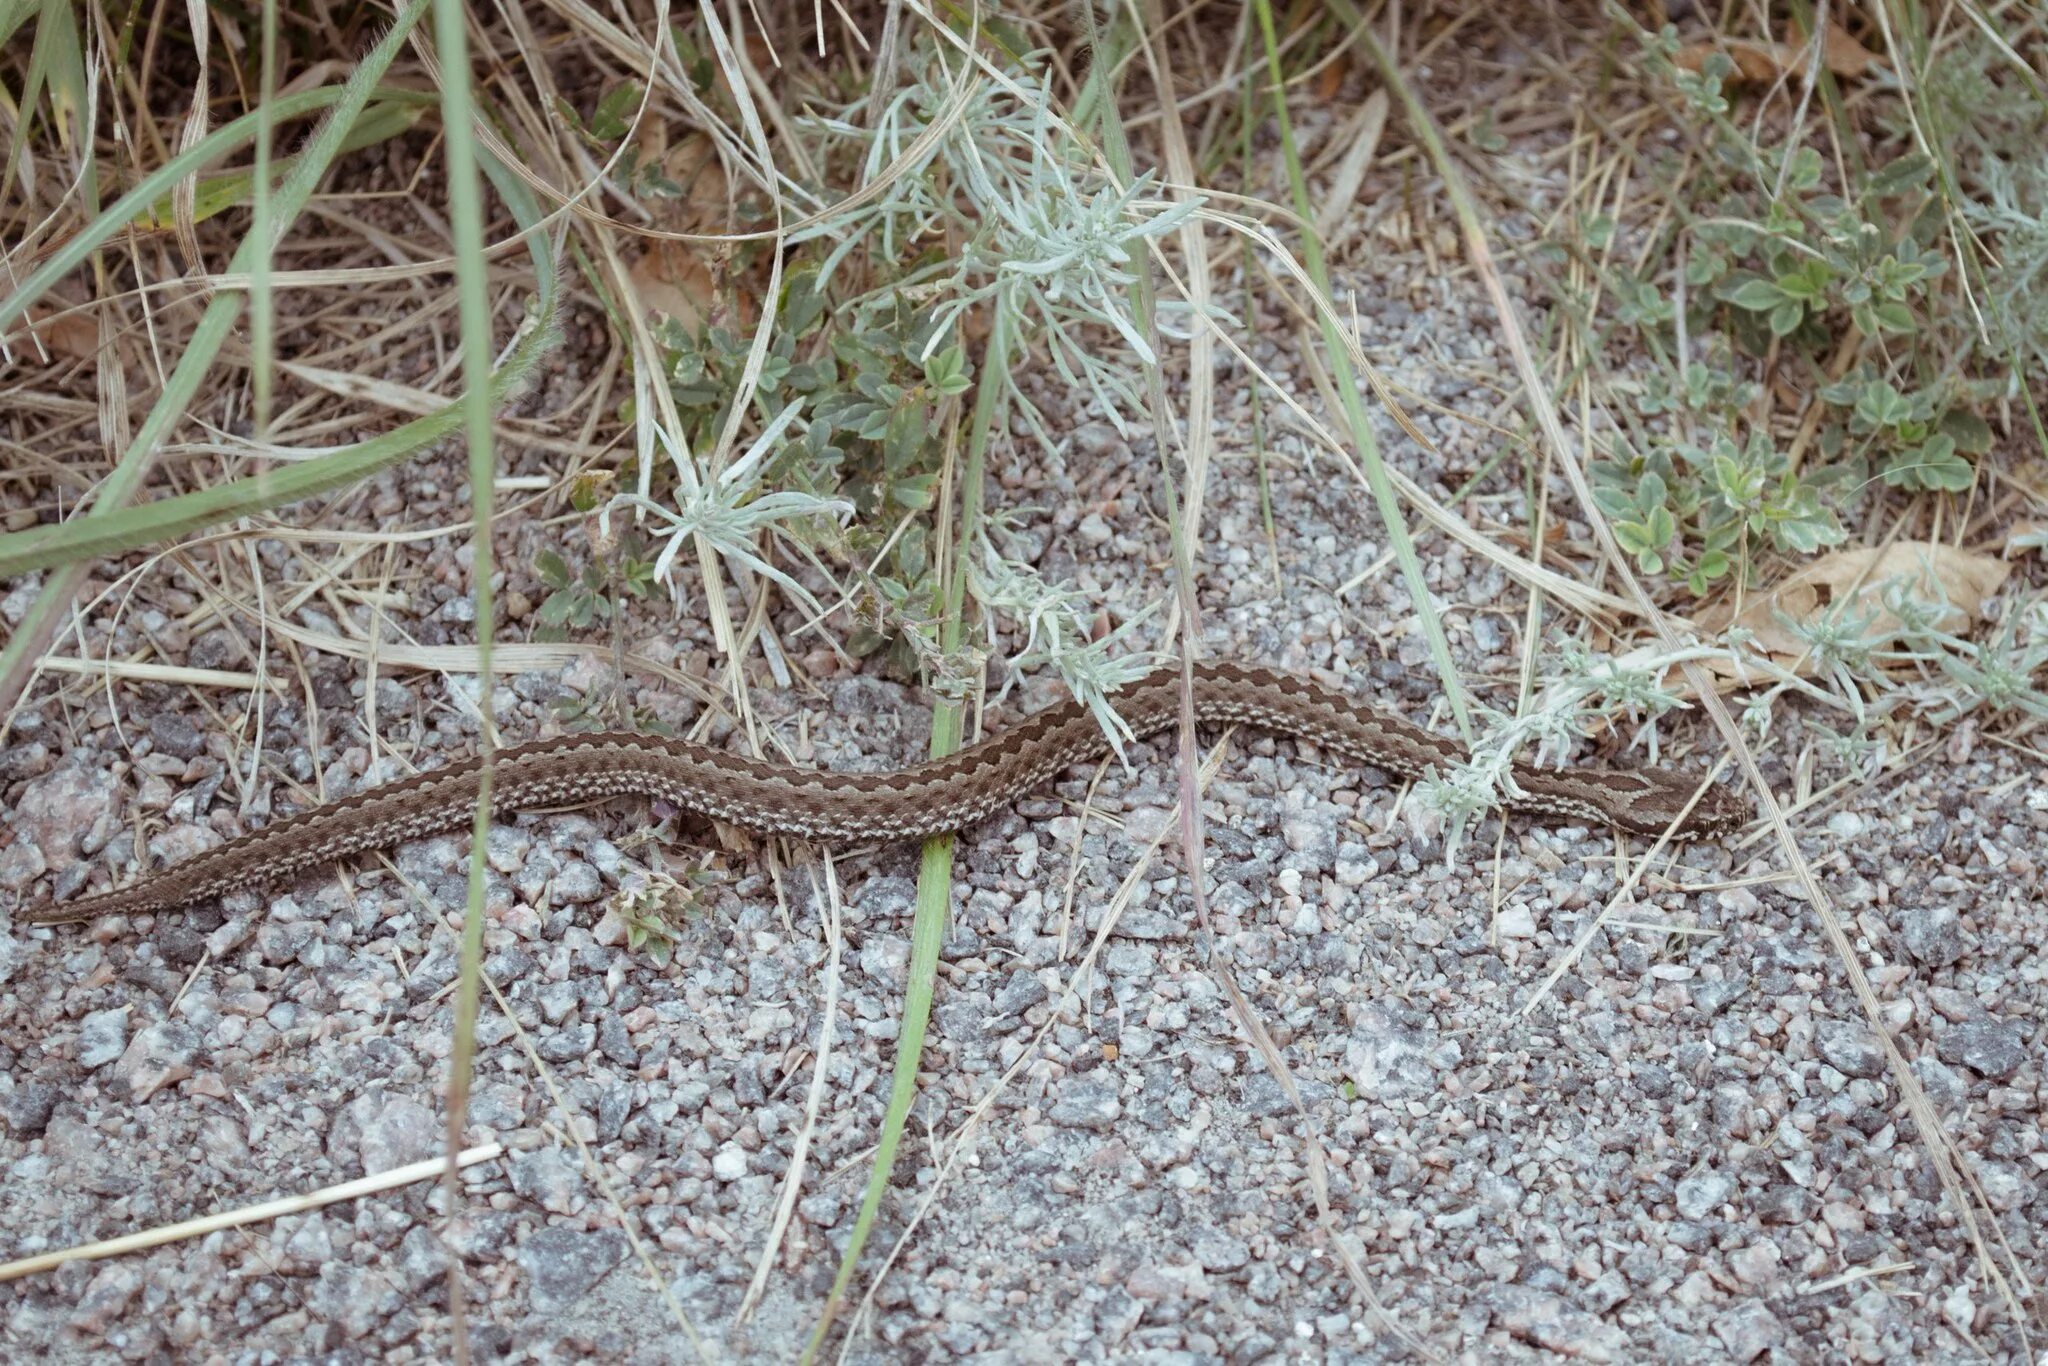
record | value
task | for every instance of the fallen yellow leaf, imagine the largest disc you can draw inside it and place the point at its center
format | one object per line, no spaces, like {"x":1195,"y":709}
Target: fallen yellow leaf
{"x":676,"y":278}
{"x":1757,"y":61}
{"x":1856,"y":582}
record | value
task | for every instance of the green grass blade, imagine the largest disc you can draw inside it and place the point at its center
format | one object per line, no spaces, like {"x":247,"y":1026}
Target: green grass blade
{"x":126,"y":529}
{"x":935,"y":868}
{"x":380,"y":122}
{"x":13,"y":14}
{"x":262,"y":304}
{"x":1345,"y":381}
{"x":139,"y":204}
{"x":207,"y":338}
{"x":56,"y":31}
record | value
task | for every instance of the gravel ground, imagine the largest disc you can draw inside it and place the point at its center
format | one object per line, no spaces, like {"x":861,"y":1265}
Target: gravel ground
{"x":1691,"y":1150}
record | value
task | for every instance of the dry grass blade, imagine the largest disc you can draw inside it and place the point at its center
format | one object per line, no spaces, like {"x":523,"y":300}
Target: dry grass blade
{"x":1182,"y":527}
{"x":137,"y":672}
{"x":108,"y":529}
{"x":596,"y":1171}
{"x":249,"y":1214}
{"x":36,"y":631}
{"x":814,"y":1098}
{"x":1582,"y":597}
{"x":478,"y":403}
{"x":2008,"y":1276}
{"x":1200,"y":290}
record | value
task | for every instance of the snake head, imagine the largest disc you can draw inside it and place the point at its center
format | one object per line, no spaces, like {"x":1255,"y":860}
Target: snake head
{"x":1664,"y":794}
{"x":1720,"y":811}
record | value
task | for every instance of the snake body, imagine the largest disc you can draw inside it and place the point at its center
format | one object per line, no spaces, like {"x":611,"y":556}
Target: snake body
{"x":927,"y":799}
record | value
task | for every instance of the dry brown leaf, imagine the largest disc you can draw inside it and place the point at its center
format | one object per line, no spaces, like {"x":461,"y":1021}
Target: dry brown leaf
{"x":1758,"y":62}
{"x":1331,"y":79}
{"x":1861,"y":577}
{"x":1845,"y":56}
{"x":1754,"y":62}
{"x":693,"y":164}
{"x":676,"y":278}
{"x":68,"y":333}
{"x":671,"y":278}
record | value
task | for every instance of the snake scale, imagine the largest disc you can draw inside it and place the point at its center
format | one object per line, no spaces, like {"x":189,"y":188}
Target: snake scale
{"x":931,"y":798}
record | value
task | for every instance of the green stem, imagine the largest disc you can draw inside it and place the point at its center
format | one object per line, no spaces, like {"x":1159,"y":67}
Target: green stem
{"x":466,"y":223}
{"x":208,"y":337}
{"x":1346,"y":382}
{"x":935,"y":870}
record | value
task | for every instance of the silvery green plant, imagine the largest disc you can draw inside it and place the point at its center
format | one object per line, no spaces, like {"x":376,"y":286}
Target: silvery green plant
{"x":729,"y":510}
{"x":1862,"y":655}
{"x":1844,"y":643}
{"x":1056,"y":625}
{"x":1911,"y":659}
{"x":2000,"y":674}
{"x":1997,"y":675}
{"x":1048,"y":241}
{"x":1049,"y":247}
{"x":1587,"y":685}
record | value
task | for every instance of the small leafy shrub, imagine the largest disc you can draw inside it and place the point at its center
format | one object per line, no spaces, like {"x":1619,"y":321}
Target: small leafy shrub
{"x":1838,"y":295}
{"x":656,"y":913}
{"x":868,"y":396}
{"x":869,"y":400}
{"x":580,"y":599}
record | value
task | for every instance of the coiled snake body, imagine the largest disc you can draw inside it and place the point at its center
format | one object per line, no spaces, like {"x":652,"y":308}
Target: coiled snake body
{"x":927,"y":799}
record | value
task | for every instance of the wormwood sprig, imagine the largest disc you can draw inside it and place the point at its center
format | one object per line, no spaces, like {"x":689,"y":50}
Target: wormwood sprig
{"x":854,"y":391}
{"x":728,"y":509}
{"x":1997,"y":675}
{"x":1038,"y":242}
{"x":1045,"y":238}
{"x":2030,"y":540}
{"x":1843,"y":641}
{"x":1057,"y":626}
{"x":1982,"y":107}
{"x":1060,"y":259}
{"x":1905,"y":657}
{"x":1587,"y":686}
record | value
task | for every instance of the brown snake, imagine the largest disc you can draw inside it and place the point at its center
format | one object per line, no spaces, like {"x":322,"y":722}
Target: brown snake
{"x":931,"y":798}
